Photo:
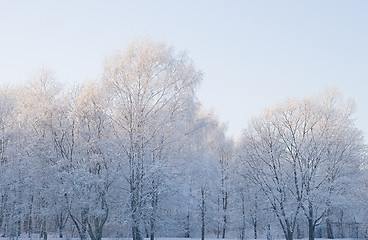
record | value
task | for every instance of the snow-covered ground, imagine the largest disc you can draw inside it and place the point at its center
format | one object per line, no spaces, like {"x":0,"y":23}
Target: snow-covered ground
{"x":51,"y":238}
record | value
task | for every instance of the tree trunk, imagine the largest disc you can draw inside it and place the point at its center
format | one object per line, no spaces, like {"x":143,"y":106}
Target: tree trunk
{"x":19,"y":226}
{"x":98,"y":221}
{"x":84,"y":218}
{"x":269,"y":237}
{"x":254,"y":217}
{"x":311,"y":227}
{"x":30,"y":208}
{"x":1,"y":217}
{"x":341,"y":228}
{"x":224,"y":203}
{"x":255,"y":229}
{"x":203,"y":209}
{"x":328,"y":222}
{"x":44,"y":232}
{"x":60,"y":233}
{"x":298,"y":232}
{"x":311,"y":223}
{"x":136,"y":233}
{"x":218,"y":224}
{"x":224,"y":227}
{"x":152,"y":225}
{"x":136,"y":173}
{"x":81,"y":225}
{"x":289,"y":235}
{"x":61,"y":220}
{"x":187,"y":226}
{"x":329,"y":229}
{"x":242,"y":233}
{"x":154,"y":204}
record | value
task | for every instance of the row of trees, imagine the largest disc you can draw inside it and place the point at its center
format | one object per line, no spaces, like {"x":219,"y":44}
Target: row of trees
{"x":133,"y":154}
{"x":132,"y":149}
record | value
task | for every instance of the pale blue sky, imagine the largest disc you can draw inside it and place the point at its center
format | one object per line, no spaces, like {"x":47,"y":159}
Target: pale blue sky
{"x":253,"y":53}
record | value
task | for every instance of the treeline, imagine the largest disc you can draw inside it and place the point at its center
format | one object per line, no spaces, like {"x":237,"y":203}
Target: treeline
{"x":133,"y":154}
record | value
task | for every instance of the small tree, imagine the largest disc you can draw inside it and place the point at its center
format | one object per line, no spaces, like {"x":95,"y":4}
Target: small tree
{"x":93,"y":167}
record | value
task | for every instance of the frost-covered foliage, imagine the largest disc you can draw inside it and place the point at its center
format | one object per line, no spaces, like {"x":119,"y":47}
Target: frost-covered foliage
{"x":133,"y":154}
{"x":110,"y":154}
{"x":301,"y":154}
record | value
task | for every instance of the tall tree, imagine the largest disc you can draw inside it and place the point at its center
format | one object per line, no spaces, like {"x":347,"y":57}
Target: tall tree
{"x":37,"y":109}
{"x":150,"y":86}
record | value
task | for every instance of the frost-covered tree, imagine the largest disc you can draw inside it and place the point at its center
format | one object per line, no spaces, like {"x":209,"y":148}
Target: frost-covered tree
{"x":37,"y":109}
{"x":263,"y":157}
{"x":89,"y":172}
{"x":297,"y":151}
{"x":134,"y":154}
{"x":9,"y":162}
{"x":204,"y":167}
{"x":222,"y":148}
{"x":249,"y":210}
{"x":150,"y":86}
{"x":201,"y":167}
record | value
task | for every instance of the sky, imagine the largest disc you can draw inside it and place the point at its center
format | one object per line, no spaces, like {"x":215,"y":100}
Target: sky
{"x":253,"y":53}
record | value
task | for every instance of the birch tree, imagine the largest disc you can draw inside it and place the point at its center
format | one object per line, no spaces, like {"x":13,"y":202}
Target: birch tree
{"x":266,"y":165}
{"x":150,"y":85}
{"x":37,"y":107}
{"x":9,"y":160}
{"x":93,"y":167}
